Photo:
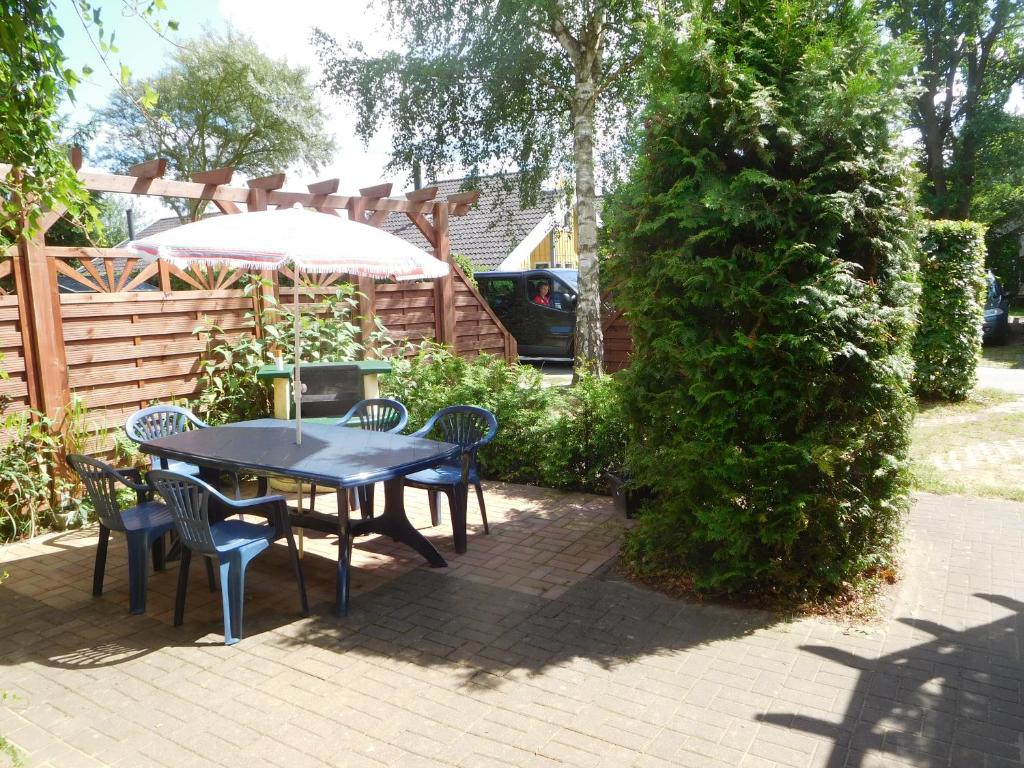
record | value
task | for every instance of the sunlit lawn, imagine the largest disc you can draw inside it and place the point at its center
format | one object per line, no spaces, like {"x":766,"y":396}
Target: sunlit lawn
{"x":974,"y":448}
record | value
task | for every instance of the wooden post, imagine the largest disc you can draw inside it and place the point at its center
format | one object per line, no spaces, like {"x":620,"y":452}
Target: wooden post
{"x":42,"y":327}
{"x":367,"y":288}
{"x":444,"y":288}
{"x":258,"y":202}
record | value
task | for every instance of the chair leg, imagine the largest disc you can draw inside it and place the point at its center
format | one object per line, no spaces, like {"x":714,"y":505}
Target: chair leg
{"x":209,"y":572}
{"x":457,"y":503}
{"x":228,"y":592}
{"x":101,"y":561}
{"x":312,"y":498}
{"x":297,"y":567}
{"x":262,"y":486}
{"x":138,"y":570}
{"x":483,"y":507}
{"x":237,"y":487}
{"x":159,"y":554}
{"x":435,"y":513}
{"x":179,"y":598}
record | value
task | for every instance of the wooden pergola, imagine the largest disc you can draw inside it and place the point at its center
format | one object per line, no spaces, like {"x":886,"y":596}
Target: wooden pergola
{"x":35,"y":266}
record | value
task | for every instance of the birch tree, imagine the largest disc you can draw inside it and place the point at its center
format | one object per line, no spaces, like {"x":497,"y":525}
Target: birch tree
{"x":527,"y":85}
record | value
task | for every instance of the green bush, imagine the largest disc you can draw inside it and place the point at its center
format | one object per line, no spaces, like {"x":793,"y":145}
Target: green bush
{"x":588,"y":435}
{"x":228,"y":388}
{"x":37,"y":490}
{"x":765,"y":256}
{"x":435,"y":378}
{"x":953,"y":288}
{"x":559,"y":438}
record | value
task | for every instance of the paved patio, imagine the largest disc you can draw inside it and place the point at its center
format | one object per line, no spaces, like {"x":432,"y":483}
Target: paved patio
{"x":527,"y":651}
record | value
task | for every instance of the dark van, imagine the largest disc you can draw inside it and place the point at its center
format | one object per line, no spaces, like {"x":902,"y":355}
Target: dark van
{"x":538,"y":307}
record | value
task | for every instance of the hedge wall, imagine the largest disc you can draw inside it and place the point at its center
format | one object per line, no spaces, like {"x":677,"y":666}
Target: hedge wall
{"x":765,"y":253}
{"x":953,"y":289}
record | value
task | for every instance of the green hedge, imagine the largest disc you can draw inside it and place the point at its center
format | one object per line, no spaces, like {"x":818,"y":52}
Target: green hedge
{"x":953,"y":288}
{"x":560,"y":438}
{"x":765,"y":252}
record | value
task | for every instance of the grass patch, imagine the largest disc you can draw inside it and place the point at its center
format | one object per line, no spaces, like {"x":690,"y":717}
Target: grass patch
{"x":972,"y":448}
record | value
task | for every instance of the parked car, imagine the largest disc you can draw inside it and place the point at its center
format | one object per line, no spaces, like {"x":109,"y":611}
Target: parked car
{"x":538,"y":307}
{"x":996,"y":328}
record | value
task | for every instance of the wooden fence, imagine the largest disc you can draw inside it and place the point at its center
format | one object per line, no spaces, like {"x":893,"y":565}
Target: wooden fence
{"x":126,"y":349}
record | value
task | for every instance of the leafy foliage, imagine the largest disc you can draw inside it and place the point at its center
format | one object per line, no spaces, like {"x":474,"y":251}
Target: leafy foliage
{"x":588,"y":435}
{"x":463,"y":263}
{"x":559,"y":438}
{"x":998,"y":199}
{"x":435,"y":378}
{"x":229,"y":389}
{"x":972,"y":56}
{"x":532,"y":85}
{"x":34,"y":77}
{"x":765,"y":258}
{"x":221,"y":102}
{"x":36,"y":488}
{"x":953,"y":286}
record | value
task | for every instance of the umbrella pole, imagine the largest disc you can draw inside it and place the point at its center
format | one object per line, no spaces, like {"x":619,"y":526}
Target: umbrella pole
{"x":297,"y":369}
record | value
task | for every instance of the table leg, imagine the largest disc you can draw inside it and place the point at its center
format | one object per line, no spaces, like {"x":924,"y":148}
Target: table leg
{"x":394,"y":523}
{"x":344,"y":553}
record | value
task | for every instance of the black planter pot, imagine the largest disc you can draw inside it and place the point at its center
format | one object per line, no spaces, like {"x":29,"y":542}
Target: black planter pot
{"x":627,"y":500}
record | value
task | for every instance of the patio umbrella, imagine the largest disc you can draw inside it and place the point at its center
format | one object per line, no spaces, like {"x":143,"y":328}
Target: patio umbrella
{"x":310,"y":241}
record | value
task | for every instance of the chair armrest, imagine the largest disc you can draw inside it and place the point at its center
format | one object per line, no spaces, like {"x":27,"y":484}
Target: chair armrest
{"x":132,"y":478}
{"x":243,"y":504}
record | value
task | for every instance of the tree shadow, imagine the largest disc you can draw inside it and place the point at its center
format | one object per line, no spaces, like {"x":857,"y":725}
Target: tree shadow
{"x":954,"y":700}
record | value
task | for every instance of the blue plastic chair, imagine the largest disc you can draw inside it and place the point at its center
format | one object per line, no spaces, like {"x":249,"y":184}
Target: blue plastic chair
{"x":470,"y":427}
{"x":164,"y":420}
{"x":143,"y":524}
{"x":377,"y":415}
{"x":232,"y":543}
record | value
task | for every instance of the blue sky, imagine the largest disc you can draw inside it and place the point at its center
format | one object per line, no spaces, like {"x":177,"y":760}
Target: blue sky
{"x":141,"y":49}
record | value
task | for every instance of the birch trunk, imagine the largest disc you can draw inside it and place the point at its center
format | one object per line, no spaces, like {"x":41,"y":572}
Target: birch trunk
{"x":589,"y":344}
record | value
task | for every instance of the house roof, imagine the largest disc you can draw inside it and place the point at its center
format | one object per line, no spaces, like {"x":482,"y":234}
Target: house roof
{"x":487,"y":234}
{"x":494,"y":226}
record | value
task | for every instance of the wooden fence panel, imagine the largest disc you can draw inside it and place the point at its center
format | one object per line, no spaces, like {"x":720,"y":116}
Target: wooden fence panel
{"x":618,"y":342}
{"x":15,"y":387}
{"x":125,"y":350}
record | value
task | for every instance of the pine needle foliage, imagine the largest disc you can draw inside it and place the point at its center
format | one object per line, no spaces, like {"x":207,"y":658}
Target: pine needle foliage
{"x":953,"y":286}
{"x":765,"y":256}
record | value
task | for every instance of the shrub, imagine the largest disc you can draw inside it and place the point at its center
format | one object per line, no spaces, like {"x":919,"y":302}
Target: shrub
{"x":562,"y":438}
{"x":765,"y":258}
{"x":37,"y":489}
{"x":435,"y":378}
{"x":228,"y":388}
{"x":588,"y":435}
{"x":953,"y":287}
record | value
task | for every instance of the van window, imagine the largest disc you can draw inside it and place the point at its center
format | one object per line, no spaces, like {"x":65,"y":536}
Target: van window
{"x":499,"y":292}
{"x":558,"y":295}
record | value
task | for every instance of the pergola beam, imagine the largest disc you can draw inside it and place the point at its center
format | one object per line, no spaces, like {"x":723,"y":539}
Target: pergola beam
{"x":216,"y":177}
{"x":267,"y":182}
{"x":204,"y":186}
{"x":151,"y":169}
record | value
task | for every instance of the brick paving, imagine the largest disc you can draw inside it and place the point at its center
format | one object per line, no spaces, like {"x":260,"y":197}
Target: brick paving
{"x":527,"y":651}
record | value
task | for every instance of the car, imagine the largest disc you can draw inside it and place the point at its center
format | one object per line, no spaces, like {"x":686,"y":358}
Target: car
{"x":996,"y":327}
{"x":537,"y":306}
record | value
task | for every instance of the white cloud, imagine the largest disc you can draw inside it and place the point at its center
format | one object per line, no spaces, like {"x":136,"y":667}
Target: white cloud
{"x":284,"y":31}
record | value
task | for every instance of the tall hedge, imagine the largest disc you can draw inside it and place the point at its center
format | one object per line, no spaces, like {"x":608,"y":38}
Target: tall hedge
{"x":765,"y":254}
{"x":953,"y":289}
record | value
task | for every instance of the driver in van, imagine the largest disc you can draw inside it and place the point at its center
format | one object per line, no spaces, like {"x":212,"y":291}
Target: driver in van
{"x":543,"y":295}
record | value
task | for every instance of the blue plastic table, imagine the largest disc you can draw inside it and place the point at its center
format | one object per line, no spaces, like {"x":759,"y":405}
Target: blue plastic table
{"x":331,"y":456}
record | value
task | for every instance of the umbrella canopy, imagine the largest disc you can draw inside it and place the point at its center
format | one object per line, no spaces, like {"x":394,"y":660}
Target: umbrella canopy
{"x":311,"y":241}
